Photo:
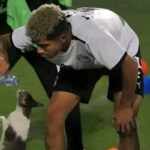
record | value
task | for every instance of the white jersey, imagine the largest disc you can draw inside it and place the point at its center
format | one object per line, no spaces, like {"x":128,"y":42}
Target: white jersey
{"x":102,"y":39}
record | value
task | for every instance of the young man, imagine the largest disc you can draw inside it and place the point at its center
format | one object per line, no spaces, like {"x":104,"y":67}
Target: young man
{"x":87,"y":43}
{"x":17,"y":15}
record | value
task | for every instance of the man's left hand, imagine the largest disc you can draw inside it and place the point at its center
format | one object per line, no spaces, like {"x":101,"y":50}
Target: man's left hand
{"x":124,"y":119}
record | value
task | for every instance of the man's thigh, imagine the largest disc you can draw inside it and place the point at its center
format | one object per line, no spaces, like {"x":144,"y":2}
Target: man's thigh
{"x":78,"y":82}
{"x":62,"y":103}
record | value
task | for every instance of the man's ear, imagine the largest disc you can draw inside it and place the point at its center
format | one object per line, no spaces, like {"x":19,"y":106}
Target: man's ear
{"x":63,"y":37}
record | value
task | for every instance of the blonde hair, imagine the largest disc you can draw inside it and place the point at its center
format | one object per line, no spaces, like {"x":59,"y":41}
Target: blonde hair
{"x":43,"y":21}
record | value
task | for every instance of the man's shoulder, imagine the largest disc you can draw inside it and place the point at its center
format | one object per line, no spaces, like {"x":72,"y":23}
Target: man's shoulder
{"x":90,"y":13}
{"x":20,"y":39}
{"x":98,"y":19}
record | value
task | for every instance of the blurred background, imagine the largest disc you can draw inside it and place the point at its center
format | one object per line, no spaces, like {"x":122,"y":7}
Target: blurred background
{"x":98,"y":133}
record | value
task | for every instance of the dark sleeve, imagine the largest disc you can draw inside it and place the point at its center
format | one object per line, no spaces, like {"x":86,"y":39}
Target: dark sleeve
{"x":13,"y":54}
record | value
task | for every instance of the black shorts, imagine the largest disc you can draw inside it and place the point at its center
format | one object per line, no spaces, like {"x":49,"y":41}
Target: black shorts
{"x":82,"y":82}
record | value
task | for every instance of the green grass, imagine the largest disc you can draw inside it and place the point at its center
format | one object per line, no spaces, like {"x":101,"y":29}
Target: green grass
{"x":98,"y":133}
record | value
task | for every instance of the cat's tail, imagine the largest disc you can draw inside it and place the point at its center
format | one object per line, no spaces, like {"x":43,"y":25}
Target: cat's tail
{"x":4,"y":124}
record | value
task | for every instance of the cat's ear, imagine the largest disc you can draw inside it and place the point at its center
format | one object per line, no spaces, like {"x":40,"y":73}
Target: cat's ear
{"x":23,"y":102}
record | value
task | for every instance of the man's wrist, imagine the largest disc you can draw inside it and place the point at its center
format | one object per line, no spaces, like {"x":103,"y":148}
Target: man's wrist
{"x":125,"y":102}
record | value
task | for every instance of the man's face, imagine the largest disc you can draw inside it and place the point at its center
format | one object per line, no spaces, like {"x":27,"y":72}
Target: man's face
{"x":51,"y":48}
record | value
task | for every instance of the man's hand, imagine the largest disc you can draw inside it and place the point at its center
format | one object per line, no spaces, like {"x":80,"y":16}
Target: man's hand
{"x":4,"y":65}
{"x":124,"y":119}
{"x":5,"y":44}
{"x":124,"y":115}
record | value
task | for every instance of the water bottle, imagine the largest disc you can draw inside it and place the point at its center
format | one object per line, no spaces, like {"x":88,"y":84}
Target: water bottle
{"x":8,"y":80}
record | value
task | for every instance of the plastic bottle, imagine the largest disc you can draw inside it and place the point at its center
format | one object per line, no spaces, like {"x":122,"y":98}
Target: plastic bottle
{"x":8,"y":80}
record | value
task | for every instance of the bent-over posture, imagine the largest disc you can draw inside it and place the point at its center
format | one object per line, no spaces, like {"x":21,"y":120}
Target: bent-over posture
{"x":87,"y":43}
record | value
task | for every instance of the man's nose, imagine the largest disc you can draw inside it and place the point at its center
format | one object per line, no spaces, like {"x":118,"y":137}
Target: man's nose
{"x":40,"y":50}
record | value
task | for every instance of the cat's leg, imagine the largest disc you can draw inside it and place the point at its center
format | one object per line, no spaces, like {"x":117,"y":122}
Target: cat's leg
{"x":4,"y":127}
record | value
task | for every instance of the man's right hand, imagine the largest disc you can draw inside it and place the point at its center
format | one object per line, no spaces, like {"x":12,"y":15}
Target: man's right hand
{"x":5,"y":44}
{"x":4,"y":65}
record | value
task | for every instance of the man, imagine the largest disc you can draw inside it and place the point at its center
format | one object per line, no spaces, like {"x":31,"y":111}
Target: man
{"x":17,"y":15}
{"x":87,"y":43}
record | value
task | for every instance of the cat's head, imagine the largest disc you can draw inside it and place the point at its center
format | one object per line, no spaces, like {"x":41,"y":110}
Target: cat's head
{"x":25,"y":99}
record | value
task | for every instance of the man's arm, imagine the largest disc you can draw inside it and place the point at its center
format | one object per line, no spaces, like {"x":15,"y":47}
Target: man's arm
{"x":124,"y":113}
{"x":129,"y":76}
{"x":5,"y":44}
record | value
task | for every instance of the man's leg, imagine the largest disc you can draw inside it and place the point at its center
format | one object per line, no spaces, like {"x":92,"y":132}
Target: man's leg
{"x":47,"y":72}
{"x":73,"y":129}
{"x":130,"y":140}
{"x":59,"y":107}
